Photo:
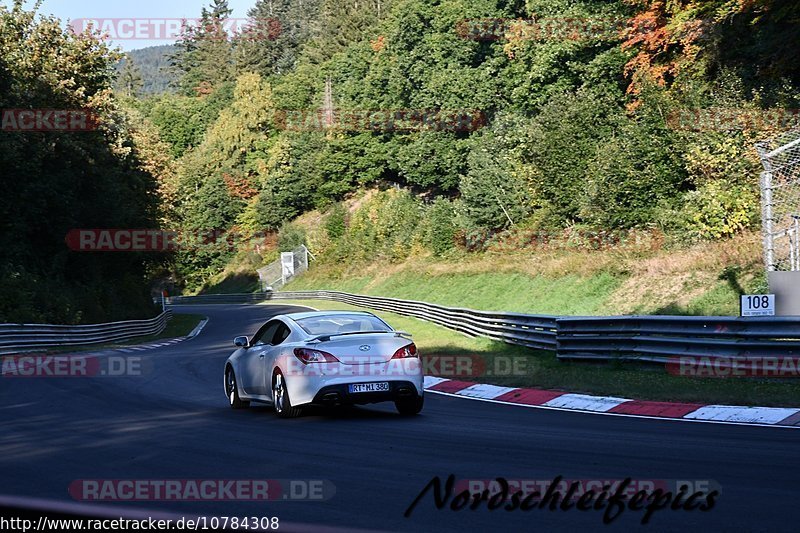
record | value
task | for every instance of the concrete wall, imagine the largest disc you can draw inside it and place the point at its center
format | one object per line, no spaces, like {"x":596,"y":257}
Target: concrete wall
{"x":786,"y":287}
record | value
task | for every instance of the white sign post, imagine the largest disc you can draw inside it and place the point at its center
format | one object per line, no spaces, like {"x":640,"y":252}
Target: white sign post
{"x":758,"y":305}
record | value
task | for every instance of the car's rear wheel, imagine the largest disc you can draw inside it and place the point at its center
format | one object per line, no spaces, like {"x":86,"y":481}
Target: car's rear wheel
{"x":280,"y":395}
{"x":232,"y":391}
{"x":410,"y":406}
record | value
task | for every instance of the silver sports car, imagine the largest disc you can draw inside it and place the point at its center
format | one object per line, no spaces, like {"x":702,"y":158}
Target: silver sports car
{"x":328,"y":358}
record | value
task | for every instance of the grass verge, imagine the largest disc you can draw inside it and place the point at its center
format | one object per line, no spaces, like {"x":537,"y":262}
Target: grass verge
{"x":179,"y":326}
{"x":541,"y":369}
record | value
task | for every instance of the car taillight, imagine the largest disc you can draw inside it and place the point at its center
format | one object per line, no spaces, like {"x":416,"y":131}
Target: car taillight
{"x":307,"y":355}
{"x":406,"y":352}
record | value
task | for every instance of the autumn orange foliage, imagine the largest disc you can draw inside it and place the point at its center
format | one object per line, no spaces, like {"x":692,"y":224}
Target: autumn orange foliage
{"x":239,"y":187}
{"x":670,"y":35}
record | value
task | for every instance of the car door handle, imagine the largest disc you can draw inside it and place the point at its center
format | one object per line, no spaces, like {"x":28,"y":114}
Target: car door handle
{"x":261,"y":356}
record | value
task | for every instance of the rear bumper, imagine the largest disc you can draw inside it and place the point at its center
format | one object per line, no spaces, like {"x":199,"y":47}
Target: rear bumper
{"x":339,"y":394}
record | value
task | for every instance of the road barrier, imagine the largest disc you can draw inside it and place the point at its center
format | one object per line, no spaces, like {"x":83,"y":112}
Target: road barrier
{"x":660,"y":338}
{"x":643,"y":338}
{"x":15,"y":338}
{"x":532,"y":331}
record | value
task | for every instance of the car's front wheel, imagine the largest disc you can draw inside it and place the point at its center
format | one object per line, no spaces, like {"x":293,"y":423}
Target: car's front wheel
{"x":409,"y":406}
{"x":280,"y":396}
{"x":232,"y":391}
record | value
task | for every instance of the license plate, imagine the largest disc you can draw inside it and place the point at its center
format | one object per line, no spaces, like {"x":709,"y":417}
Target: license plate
{"x":369,"y":387}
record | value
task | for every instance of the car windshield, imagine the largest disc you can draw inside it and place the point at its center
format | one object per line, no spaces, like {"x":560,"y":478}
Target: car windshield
{"x":336,"y":324}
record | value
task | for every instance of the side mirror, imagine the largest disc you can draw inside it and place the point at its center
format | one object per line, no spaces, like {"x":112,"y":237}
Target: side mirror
{"x":241,"y":342}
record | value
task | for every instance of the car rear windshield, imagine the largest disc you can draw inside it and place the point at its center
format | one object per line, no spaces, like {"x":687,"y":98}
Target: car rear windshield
{"x":330,"y":325}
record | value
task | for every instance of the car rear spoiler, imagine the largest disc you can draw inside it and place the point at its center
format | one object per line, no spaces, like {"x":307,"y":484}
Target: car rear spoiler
{"x":327,"y":336}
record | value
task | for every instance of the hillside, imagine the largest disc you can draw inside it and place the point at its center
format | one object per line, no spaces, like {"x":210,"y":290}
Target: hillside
{"x":488,"y":134}
{"x":569,"y":274}
{"x":153,"y":66}
{"x":556,"y":278}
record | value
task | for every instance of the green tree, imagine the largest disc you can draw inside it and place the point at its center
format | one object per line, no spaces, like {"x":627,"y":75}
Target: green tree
{"x":183,"y":120}
{"x":279,"y":29}
{"x":290,"y":237}
{"x":204,"y":57}
{"x":561,"y":141}
{"x":55,"y":182}
{"x":342,"y":23}
{"x":129,"y":82}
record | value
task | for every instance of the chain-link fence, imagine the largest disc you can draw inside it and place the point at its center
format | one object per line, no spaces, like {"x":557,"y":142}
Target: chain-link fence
{"x":780,"y":201}
{"x":278,"y":273}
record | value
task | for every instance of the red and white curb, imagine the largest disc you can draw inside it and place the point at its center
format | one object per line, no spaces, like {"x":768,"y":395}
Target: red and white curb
{"x":546,"y":399}
{"x":141,"y":347}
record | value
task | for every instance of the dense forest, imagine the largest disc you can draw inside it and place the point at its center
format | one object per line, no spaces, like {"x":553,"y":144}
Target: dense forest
{"x":578,"y":101}
{"x":576,"y":119}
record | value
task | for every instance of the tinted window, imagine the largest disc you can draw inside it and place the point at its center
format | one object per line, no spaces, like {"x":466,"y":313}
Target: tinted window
{"x":332,"y":324}
{"x":281,"y":334}
{"x":266,"y":333}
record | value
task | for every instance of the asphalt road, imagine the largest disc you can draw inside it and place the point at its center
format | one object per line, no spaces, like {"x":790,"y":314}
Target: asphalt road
{"x":174,"y":423}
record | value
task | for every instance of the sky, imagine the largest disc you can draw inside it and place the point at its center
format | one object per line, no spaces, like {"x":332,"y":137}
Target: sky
{"x":151,"y":15}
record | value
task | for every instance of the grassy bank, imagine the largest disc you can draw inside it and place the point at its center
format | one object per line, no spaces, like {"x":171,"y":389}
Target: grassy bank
{"x":705,"y":279}
{"x":541,"y":369}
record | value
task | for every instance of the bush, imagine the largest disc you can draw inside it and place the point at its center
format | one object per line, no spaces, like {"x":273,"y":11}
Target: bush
{"x":718,"y":210}
{"x":336,"y":224}
{"x":398,"y":222}
{"x":629,"y":176}
{"x":290,"y":237}
{"x":441,"y":227}
{"x":562,"y":141}
{"x":494,"y":195}
{"x":386,"y":225}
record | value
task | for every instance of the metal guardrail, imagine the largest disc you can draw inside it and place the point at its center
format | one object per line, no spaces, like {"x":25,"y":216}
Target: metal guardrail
{"x":220,"y":299}
{"x":24,"y":337}
{"x":533,"y":331}
{"x":642,"y":338}
{"x":660,"y":338}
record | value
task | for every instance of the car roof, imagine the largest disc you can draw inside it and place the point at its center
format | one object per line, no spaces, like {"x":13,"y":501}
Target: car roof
{"x":313,"y":314}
